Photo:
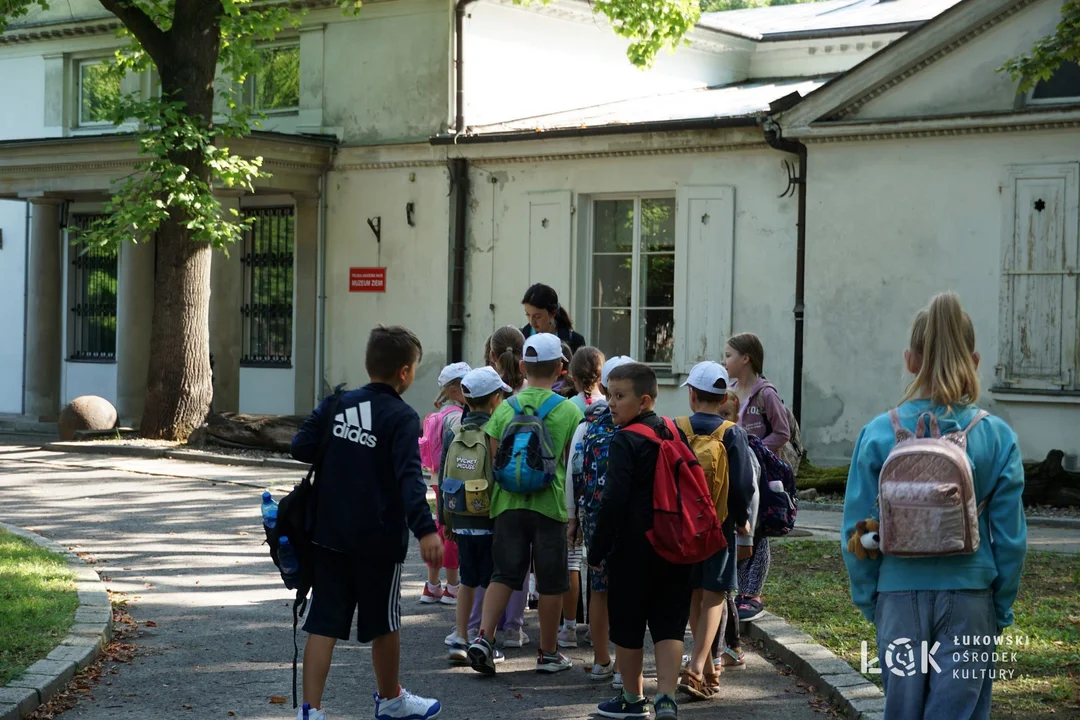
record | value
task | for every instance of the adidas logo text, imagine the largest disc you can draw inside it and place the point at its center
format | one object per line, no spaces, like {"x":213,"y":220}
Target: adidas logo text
{"x":354,"y":425}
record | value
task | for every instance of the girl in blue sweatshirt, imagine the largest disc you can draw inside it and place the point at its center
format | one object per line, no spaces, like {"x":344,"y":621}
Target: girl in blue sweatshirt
{"x":952,"y":604}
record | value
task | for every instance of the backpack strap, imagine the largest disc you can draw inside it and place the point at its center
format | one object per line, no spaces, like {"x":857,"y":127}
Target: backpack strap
{"x":643,"y":430}
{"x":920,"y":428}
{"x":719,"y":432}
{"x":548,"y":405}
{"x":901,"y":432}
{"x":683,"y":423}
{"x":515,"y":405}
{"x":979,"y":417}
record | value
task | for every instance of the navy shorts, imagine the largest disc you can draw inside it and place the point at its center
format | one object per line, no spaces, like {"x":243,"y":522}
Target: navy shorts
{"x":476,"y":564}
{"x":345,"y":583}
{"x":718,"y":573}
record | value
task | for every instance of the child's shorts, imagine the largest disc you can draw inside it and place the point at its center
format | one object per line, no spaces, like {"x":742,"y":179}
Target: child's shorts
{"x":718,"y":573}
{"x":647,"y":592}
{"x":573,"y":558}
{"x":474,"y":556}
{"x":344,"y":583}
{"x":525,"y":537}
{"x":598,"y":579}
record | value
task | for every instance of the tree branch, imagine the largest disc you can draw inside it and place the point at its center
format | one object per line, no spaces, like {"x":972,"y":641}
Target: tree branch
{"x":153,"y":39}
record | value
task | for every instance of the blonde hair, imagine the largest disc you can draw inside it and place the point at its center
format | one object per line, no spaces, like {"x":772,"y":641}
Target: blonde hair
{"x":444,"y":393}
{"x":943,"y":337}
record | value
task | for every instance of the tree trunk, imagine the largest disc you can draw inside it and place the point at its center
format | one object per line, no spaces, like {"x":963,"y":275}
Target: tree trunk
{"x":179,"y":388}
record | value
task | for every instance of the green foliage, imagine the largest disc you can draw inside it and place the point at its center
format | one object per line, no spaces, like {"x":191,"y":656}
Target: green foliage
{"x":1050,"y":52}
{"x":722,"y":5}
{"x":649,"y":25}
{"x":99,"y":90}
{"x":277,"y":81}
{"x":37,"y":603}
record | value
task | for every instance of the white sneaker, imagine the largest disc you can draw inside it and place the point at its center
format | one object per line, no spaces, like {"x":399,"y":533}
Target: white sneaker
{"x":552,"y":663}
{"x":453,"y":637}
{"x":449,"y":595}
{"x":600,"y":672}
{"x":406,"y":706}
{"x":567,"y":638}
{"x":473,"y":634}
{"x":511,"y":639}
{"x":311,"y":713}
{"x":616,"y":681}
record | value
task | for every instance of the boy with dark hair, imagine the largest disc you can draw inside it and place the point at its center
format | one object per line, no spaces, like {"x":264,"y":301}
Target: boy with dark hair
{"x":724,"y":454}
{"x":369,"y":493}
{"x":644,"y":589}
{"x":530,"y":527}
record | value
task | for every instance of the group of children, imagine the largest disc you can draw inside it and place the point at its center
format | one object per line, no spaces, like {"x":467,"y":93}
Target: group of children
{"x":531,"y":473}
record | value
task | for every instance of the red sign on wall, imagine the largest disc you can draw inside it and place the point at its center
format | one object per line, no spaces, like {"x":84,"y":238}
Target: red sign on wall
{"x":369,"y":279}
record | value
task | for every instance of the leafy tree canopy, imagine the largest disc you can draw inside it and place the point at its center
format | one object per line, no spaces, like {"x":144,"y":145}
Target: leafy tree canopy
{"x":1049,"y":53}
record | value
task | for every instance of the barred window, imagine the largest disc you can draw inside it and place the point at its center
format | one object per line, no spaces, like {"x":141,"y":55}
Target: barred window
{"x":92,"y":325}
{"x":268,"y":288}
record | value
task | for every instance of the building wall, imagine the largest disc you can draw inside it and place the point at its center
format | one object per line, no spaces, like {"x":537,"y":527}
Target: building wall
{"x":889,"y":224}
{"x":498,"y":247}
{"x":12,"y":295}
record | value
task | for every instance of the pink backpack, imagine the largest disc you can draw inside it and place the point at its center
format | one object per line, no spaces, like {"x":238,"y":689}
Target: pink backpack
{"x":926,"y":492}
{"x":431,"y":442}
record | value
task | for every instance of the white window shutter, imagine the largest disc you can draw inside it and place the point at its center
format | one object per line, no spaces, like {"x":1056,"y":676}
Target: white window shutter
{"x":549,"y":243}
{"x":1038,"y":329}
{"x":704,"y":273}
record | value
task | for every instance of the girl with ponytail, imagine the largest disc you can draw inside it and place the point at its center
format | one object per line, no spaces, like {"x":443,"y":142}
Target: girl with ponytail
{"x":546,"y":315}
{"x":946,"y":602}
{"x":504,"y":349}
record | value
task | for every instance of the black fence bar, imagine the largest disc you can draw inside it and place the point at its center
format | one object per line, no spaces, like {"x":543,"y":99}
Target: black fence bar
{"x":268,"y":287}
{"x":92,"y":335}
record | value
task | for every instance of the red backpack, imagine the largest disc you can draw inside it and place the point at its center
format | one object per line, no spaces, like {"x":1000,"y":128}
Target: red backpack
{"x":685,"y":527}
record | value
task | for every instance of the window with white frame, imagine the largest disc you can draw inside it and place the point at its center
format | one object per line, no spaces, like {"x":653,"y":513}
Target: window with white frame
{"x":1039,"y":327}
{"x":1063,"y":87}
{"x":275,"y":86}
{"x":632,"y":278}
{"x":98,"y":88}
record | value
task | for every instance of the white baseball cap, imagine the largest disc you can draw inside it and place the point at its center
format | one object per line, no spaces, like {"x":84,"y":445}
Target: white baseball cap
{"x":481,"y":382}
{"x":611,"y":364}
{"x":709,"y":376}
{"x":453,"y":371}
{"x":544,"y":346}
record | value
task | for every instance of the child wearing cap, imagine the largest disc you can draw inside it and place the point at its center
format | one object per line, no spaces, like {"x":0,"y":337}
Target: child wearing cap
{"x":466,"y":484}
{"x":722,"y":448}
{"x":530,"y":527}
{"x":449,"y":404}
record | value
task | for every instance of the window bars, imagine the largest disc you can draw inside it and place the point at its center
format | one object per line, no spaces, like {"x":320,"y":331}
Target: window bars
{"x":92,"y":334}
{"x":268,"y":288}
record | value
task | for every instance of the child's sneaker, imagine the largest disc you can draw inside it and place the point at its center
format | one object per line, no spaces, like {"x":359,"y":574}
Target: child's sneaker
{"x":458,"y":654}
{"x":515,"y":639}
{"x":306,"y":712}
{"x":619,"y":707}
{"x":497,"y":656}
{"x":406,"y":706}
{"x":568,"y":638}
{"x":616,"y":681}
{"x":552,"y":663}
{"x":600,"y":672}
{"x":453,"y":637}
{"x":750,"y":610}
{"x":449,"y":595}
{"x":666,"y":708}
{"x":432,"y":594}
{"x":481,"y":656}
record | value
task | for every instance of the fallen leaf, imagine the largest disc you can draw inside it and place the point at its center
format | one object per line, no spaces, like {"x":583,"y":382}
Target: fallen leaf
{"x":187,"y":707}
{"x":278,"y":699}
{"x":151,"y":623}
{"x":518,"y":696}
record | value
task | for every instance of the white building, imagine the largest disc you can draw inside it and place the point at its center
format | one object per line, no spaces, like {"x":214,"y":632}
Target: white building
{"x":648,"y":199}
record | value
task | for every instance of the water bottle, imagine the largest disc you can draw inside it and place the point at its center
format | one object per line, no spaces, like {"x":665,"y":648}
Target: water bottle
{"x":288,"y":562}
{"x":269,"y":511}
{"x":579,"y":459}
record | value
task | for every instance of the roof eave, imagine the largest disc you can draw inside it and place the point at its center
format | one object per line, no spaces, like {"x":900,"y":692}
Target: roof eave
{"x":712,"y":123}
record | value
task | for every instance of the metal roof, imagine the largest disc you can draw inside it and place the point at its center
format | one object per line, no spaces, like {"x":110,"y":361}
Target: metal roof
{"x":728,"y":101}
{"x":833,"y":17}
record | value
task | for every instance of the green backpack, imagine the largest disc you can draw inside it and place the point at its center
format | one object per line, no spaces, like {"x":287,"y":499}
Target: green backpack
{"x":466,"y":482}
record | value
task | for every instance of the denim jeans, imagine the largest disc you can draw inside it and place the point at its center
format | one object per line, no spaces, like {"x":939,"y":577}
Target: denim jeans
{"x":955,"y":681}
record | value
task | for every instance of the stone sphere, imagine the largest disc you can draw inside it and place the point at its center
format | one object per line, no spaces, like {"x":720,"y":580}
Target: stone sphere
{"x":88,"y":412}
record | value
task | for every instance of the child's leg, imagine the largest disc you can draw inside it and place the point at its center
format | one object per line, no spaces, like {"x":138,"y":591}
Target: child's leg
{"x":451,"y":559}
{"x":386,"y":659}
{"x":477,"y":613}
{"x":695,"y":612}
{"x":318,"y":652}
{"x":550,"y":559}
{"x":570,"y":598}
{"x":598,"y":627}
{"x":712,"y":604}
{"x":495,"y":600}
{"x":668,"y":660}
{"x":513,"y":618}
{"x":757,"y":570}
{"x":631,"y":662}
{"x":466,"y":595}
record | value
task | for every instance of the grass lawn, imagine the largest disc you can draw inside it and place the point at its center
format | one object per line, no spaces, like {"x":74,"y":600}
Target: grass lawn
{"x":808,"y":586}
{"x":37,"y":603}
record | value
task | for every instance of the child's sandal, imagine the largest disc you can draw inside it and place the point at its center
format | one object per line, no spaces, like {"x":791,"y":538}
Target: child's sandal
{"x":694,"y":685}
{"x":712,"y":681}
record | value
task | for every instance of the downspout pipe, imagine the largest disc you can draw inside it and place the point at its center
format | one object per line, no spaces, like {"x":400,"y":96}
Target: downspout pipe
{"x":775,"y":137}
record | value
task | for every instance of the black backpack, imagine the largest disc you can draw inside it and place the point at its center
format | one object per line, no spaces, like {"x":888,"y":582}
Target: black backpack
{"x":296,"y":520}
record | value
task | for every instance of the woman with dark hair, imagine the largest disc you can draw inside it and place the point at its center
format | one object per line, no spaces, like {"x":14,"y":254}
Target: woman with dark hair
{"x":546,"y":315}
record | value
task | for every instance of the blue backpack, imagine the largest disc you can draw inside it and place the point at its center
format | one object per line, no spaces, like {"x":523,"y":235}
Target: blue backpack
{"x":525,"y":461}
{"x":777,"y":505}
{"x":594,"y":460}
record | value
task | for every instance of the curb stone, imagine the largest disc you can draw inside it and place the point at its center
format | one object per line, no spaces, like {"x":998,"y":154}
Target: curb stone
{"x":855,"y":695}
{"x":91,"y":629}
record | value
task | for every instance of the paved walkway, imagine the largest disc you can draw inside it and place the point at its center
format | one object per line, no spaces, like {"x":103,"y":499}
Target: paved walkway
{"x":183,"y":542}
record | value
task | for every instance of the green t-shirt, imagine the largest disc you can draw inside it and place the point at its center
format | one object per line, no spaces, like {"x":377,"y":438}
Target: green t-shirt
{"x":561,"y":423}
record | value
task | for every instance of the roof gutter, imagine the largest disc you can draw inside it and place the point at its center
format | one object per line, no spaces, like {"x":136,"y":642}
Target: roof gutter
{"x":774,"y":135}
{"x":897,"y":27}
{"x":713,"y":123}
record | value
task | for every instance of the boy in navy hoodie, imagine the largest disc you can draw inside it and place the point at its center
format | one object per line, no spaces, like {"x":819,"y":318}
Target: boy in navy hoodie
{"x":370,"y":494}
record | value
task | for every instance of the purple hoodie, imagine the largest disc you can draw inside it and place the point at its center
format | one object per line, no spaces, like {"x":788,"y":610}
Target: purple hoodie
{"x":763,"y":414}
